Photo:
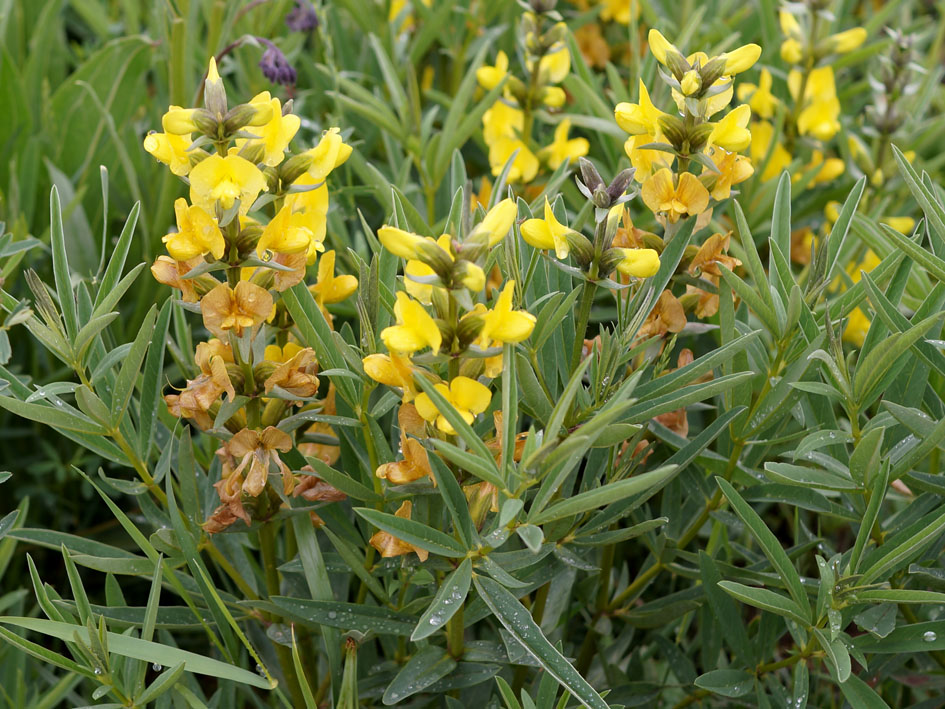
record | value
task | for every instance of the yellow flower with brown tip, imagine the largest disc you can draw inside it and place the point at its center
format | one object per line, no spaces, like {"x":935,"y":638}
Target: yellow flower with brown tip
{"x":639,"y":263}
{"x":170,"y":149}
{"x":389,"y":546}
{"x":502,"y":323}
{"x":197,"y":234}
{"x":639,"y":118}
{"x":664,"y":196}
{"x":466,"y":395}
{"x":330,"y":288}
{"x":236,"y":309}
{"x":490,"y":76}
{"x":731,"y":133}
{"x":274,"y":134}
{"x":547,"y":233}
{"x":224,"y":180}
{"x":562,"y":149}
{"x":759,"y":98}
{"x":287,"y":233}
{"x":415,"y":329}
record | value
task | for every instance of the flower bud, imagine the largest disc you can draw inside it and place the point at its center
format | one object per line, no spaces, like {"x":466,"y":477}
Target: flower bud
{"x":214,"y":93}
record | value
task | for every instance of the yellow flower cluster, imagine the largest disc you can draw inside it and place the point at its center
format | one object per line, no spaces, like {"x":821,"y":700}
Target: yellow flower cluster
{"x":258,"y":215}
{"x":701,"y":88}
{"x":508,"y":126}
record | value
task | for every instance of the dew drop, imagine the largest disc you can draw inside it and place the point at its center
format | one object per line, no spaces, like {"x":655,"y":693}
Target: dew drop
{"x":929,"y":636}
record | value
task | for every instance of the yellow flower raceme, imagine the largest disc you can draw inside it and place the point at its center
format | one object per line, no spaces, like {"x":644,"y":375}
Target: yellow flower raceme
{"x":490,"y":76}
{"x":502,"y":323}
{"x":663,"y":196}
{"x":197,"y":234}
{"x":276,"y":134}
{"x":562,"y":149}
{"x":759,"y":98}
{"x":639,"y":118}
{"x":467,"y":396}
{"x":547,"y":233}
{"x":415,"y":329}
{"x":223,"y":180}
{"x":731,"y":133}
{"x":287,"y":233}
{"x":170,"y":149}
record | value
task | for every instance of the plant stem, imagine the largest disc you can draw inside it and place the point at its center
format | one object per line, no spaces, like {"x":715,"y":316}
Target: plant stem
{"x":267,"y":548}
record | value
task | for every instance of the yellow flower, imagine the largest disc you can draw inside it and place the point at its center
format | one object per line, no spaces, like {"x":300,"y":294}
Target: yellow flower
{"x":401,"y":243}
{"x":330,"y":153}
{"x":555,"y":65}
{"x":503,"y":324}
{"x":197,"y":234}
{"x":225,"y":308}
{"x":733,"y":168}
{"x":639,"y":118}
{"x":847,"y":41}
{"x":562,"y":149}
{"x":497,"y":222}
{"x":223,"y":180}
{"x":639,"y":263}
{"x":762,"y":102}
{"x":330,"y":288}
{"x":503,"y":120}
{"x":415,"y":329}
{"x":660,"y":46}
{"x":644,"y":159}
{"x":387,"y":544}
{"x":490,"y":76}
{"x":524,"y":167}
{"x":171,"y":150}
{"x":663,"y":197}
{"x":731,"y":133}
{"x":762,"y":135}
{"x":415,"y":270}
{"x":276,"y":134}
{"x":179,"y":121}
{"x":310,"y":208}
{"x":741,"y":59}
{"x":393,"y":370}
{"x":287,"y":233}
{"x":467,"y":396}
{"x":547,"y":233}
{"x":820,"y":116}
{"x":620,"y":11}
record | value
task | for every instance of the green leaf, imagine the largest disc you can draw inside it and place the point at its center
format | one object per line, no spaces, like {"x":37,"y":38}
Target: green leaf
{"x":770,"y":546}
{"x":449,"y":599}
{"x":426,"y":667}
{"x":606,"y":494}
{"x":727,"y":683}
{"x":519,"y":622}
{"x":144,"y":650}
{"x":415,"y":533}
{"x":347,"y":616}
